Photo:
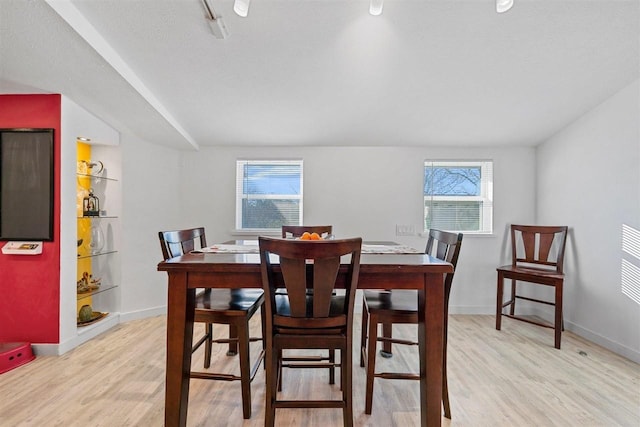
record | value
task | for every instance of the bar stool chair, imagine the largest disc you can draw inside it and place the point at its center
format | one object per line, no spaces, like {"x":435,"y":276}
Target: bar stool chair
{"x":233,"y":307}
{"x":532,"y":262}
{"x":309,"y":361}
{"x":300,"y":320}
{"x":401,"y":307}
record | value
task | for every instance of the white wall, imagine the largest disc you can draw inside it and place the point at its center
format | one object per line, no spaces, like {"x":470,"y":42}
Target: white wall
{"x":589,"y":179}
{"x":366,"y":191}
{"x":151,"y":189}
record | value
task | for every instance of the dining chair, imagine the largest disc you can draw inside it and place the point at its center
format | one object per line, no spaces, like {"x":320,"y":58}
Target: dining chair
{"x":300,"y":320}
{"x":401,"y":307}
{"x":537,"y":257}
{"x":302,"y":361}
{"x":233,"y":307}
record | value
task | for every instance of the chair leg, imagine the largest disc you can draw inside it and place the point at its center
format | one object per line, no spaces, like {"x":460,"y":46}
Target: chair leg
{"x":208,"y":345}
{"x":499,"y":299}
{"x":279,"y":378}
{"x":512,"y":307}
{"x":445,"y":396}
{"x":445,"y":383}
{"x":558,"y":325}
{"x":387,"y":332}
{"x":332,"y":367}
{"x":263,"y":326}
{"x":371,"y":362}
{"x":280,"y":370}
{"x":271,"y":360}
{"x":245,"y":368}
{"x":363,"y":332}
{"x":233,"y":343}
{"x":345,"y":381}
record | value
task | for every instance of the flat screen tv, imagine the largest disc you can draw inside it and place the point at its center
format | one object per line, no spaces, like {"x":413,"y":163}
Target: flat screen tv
{"x":26,"y":184}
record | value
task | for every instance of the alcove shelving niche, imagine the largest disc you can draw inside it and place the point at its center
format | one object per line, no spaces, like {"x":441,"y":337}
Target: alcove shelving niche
{"x":98,"y":231}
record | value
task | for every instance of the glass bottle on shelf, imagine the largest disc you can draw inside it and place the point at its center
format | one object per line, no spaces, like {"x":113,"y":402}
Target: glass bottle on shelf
{"x":97,"y":239}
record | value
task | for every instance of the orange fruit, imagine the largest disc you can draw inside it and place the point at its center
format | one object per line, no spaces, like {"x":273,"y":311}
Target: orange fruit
{"x":305,"y":236}
{"x":315,"y":236}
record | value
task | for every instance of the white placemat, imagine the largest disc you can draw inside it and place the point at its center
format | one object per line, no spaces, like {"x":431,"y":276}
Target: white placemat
{"x":222,"y":248}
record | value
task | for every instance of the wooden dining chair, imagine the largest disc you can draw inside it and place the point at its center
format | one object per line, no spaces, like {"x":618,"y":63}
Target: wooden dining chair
{"x":401,"y":307}
{"x":303,"y":361}
{"x":300,"y":320}
{"x":534,"y":261}
{"x":233,"y":307}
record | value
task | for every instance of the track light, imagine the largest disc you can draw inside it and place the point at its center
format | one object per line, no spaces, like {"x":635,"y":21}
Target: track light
{"x":375,"y":8}
{"x":241,"y":7}
{"x":215,"y":22}
{"x":503,"y":5}
{"x":218,"y":28}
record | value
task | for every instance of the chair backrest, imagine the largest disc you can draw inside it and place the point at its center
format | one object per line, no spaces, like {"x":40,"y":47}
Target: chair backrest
{"x":179,"y":242}
{"x":298,"y":230}
{"x":531,"y":244}
{"x":306,"y":265}
{"x":446,"y":246}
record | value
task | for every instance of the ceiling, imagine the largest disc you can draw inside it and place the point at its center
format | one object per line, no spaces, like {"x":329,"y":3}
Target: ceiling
{"x":325,"y":72}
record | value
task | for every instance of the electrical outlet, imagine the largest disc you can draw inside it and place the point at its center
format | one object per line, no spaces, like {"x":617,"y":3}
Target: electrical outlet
{"x":405,"y":230}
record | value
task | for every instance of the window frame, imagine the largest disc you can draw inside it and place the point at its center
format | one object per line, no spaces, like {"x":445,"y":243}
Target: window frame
{"x":485,"y":197}
{"x":240,"y":195}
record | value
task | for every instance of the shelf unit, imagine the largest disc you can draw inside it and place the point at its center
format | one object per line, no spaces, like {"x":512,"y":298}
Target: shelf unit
{"x":97,"y":250}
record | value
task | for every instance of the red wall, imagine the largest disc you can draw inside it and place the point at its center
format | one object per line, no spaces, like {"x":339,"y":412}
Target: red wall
{"x":30,"y":285}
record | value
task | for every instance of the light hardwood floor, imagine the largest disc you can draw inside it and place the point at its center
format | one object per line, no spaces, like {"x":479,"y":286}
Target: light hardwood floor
{"x":512,"y":377}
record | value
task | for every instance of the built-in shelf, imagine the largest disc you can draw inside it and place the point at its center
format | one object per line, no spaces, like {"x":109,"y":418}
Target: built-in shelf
{"x":98,"y":257}
{"x":104,"y":288}
{"x":95,"y":177}
{"x":97,"y":254}
{"x":88,"y":331}
{"x":98,"y":217}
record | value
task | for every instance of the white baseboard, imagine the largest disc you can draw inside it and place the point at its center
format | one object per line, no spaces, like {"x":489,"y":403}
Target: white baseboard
{"x":143,"y":314}
{"x":471,"y":309}
{"x":115,"y":318}
{"x":84,"y":334}
{"x":605,"y":342}
{"x":589,"y":335}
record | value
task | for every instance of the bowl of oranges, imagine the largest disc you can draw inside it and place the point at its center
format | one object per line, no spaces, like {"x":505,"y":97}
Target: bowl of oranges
{"x":310,"y":236}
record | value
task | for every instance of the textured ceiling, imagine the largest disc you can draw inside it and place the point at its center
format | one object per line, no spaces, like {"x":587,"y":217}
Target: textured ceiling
{"x":325,"y":72}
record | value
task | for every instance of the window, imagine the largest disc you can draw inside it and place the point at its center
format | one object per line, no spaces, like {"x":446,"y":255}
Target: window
{"x":268,"y":194}
{"x":458,"y":196}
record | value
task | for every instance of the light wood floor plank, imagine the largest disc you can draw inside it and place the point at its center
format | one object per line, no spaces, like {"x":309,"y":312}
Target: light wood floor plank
{"x":513,"y":377}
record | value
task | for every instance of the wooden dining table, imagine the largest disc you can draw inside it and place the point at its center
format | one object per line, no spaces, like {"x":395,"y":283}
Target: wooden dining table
{"x":210,"y":269}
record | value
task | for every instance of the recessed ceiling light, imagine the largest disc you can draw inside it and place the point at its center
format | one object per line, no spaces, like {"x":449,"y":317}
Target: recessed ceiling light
{"x":375,"y":8}
{"x":241,"y":7}
{"x":503,"y":5}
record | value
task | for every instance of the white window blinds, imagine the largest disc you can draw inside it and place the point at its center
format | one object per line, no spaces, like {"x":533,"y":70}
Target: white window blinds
{"x":268,"y":194}
{"x":458,"y":196}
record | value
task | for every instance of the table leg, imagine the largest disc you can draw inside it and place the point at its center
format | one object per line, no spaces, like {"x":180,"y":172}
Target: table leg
{"x":180,"y":314}
{"x":430,"y":334}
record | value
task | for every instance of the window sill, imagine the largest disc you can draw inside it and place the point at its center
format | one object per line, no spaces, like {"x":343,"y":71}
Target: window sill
{"x":465,"y":233}
{"x":257,"y":232}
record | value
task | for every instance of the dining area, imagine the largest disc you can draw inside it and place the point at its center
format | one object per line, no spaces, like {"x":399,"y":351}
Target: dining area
{"x":244,"y":264}
{"x":375,"y":124}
